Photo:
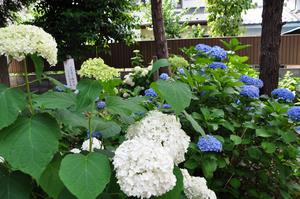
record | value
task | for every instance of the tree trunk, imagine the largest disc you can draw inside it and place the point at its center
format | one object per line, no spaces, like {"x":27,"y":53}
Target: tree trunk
{"x":4,"y":75}
{"x":159,"y":33}
{"x":270,"y":44}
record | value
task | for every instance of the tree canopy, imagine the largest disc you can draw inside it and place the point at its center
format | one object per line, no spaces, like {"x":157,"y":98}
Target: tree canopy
{"x":225,"y":16}
{"x":77,"y":23}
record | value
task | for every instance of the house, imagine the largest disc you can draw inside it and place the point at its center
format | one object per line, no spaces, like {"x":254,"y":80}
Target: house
{"x":251,"y":19}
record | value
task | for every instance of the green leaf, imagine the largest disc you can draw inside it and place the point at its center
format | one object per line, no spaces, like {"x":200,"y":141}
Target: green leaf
{"x":85,"y":176}
{"x":209,"y":166}
{"x":268,"y":147}
{"x":289,"y":137}
{"x":107,"y":128}
{"x":176,"y":93}
{"x":50,"y":181}
{"x":235,"y":183}
{"x":55,"y":100}
{"x":73,"y":119}
{"x":159,"y":64}
{"x":30,"y":143}
{"x":236,"y":139}
{"x":38,"y":65}
{"x":89,"y":90}
{"x":194,"y":123}
{"x":117,"y":105}
{"x":178,"y":189}
{"x":12,"y":102}
{"x":254,"y":153}
{"x":263,"y":133}
{"x":14,"y":185}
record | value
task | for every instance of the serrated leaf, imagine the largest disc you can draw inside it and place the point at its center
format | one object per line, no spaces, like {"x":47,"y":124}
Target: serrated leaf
{"x":236,"y":139}
{"x":159,"y":64}
{"x":30,"y":143}
{"x":89,"y":90}
{"x":209,"y":166}
{"x":55,"y":100}
{"x":38,"y":65}
{"x":92,"y":174}
{"x":268,"y":147}
{"x":12,"y":102}
{"x":263,"y":133}
{"x":117,"y":105}
{"x":176,"y":93}
{"x":107,"y":128}
{"x":50,"y":181}
{"x":178,"y":189}
{"x":73,"y":119}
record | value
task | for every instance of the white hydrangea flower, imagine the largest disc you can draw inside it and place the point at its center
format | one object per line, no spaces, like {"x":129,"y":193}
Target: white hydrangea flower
{"x":143,"y":168}
{"x":75,"y":150}
{"x":17,"y":41}
{"x":128,"y":80}
{"x":164,"y":129}
{"x":97,"y":144}
{"x":1,"y":160}
{"x":195,"y":187}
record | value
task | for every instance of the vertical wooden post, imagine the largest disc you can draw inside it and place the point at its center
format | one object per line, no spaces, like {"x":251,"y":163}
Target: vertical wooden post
{"x":4,"y":74}
{"x":159,"y":33}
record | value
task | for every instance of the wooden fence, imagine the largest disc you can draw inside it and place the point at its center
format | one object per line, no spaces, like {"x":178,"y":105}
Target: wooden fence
{"x":120,"y":54}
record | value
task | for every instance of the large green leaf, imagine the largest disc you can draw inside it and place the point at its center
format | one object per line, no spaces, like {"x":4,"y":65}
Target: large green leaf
{"x":107,"y":128}
{"x":30,"y":143}
{"x":117,"y":105}
{"x":50,"y":180}
{"x":89,"y":90}
{"x":159,"y":64}
{"x":12,"y":102}
{"x":73,"y":119}
{"x":55,"y":100}
{"x":178,"y":189}
{"x":194,"y":124}
{"x":38,"y":65}
{"x":176,"y":93}
{"x":14,"y":185}
{"x":85,"y":176}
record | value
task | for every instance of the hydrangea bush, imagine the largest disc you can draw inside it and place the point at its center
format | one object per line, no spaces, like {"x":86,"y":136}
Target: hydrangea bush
{"x":202,"y":133}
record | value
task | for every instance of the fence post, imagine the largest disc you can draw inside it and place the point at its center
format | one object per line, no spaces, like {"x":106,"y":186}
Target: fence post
{"x":4,"y":74}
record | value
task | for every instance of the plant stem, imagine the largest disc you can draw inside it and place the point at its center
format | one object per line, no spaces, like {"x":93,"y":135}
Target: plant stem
{"x":28,"y":88}
{"x":90,"y":132}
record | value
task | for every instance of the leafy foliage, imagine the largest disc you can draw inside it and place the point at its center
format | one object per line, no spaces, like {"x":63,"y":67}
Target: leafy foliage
{"x":225,"y":16}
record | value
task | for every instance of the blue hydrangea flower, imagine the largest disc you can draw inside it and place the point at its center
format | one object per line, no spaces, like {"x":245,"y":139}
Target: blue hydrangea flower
{"x":166,"y":106}
{"x":252,"y":81}
{"x":238,"y":102}
{"x":150,"y":93}
{"x":215,"y":65}
{"x":297,"y":129}
{"x":283,"y":93}
{"x":101,"y":104}
{"x":294,"y":113}
{"x":164,"y":76}
{"x":209,"y":143}
{"x":217,"y":53}
{"x":203,"y":48}
{"x":249,"y":91}
{"x":95,"y":134}
{"x":181,"y":71}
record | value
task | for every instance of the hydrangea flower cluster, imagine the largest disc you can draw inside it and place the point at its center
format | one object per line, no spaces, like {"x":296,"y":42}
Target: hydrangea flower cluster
{"x":249,"y":91}
{"x":143,"y":168}
{"x":203,"y":48}
{"x":284,"y":94}
{"x":166,"y":106}
{"x":101,"y":104}
{"x":177,"y":61}
{"x":136,"y":73}
{"x":216,"y":65}
{"x":165,"y":129}
{"x":215,"y":52}
{"x":252,"y":81}
{"x":97,"y":144}
{"x":181,"y":71}
{"x":97,"y":69}
{"x":18,"y":41}
{"x":150,"y":93}
{"x":164,"y":76}
{"x":294,"y":113}
{"x":209,"y":143}
{"x":195,"y":187}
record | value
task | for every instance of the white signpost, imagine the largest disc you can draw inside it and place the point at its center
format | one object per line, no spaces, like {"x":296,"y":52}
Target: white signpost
{"x":70,"y":73}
